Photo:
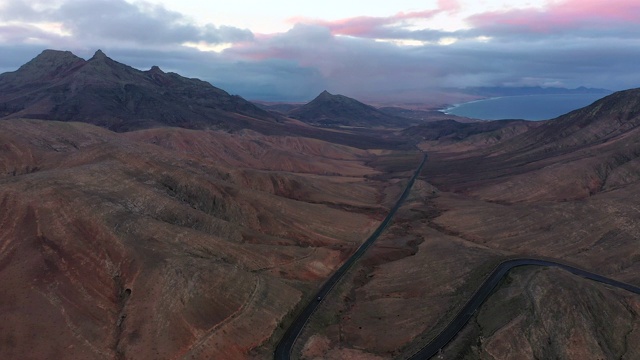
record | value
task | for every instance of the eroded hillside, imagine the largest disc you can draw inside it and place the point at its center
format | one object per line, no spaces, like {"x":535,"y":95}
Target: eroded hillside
{"x":572,"y":199}
{"x":167,"y":243}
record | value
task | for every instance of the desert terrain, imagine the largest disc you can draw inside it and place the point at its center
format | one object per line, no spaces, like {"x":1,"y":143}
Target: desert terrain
{"x":572,"y":199}
{"x":146,"y":215}
{"x":167,"y":242}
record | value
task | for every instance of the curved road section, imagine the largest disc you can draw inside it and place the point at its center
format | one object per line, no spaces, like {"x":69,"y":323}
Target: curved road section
{"x":489,"y":285}
{"x":283,"y":349}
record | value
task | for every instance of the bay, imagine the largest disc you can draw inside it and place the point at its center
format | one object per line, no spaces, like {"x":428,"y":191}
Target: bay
{"x":526,"y":107}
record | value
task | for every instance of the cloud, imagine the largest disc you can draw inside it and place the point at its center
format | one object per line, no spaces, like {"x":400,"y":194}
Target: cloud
{"x":347,"y":65}
{"x":571,"y":43}
{"x":369,"y":27}
{"x":579,"y":17}
{"x":389,"y":27}
{"x":117,"y":22}
{"x":358,"y":65}
{"x":13,"y":33}
{"x":19,"y":10}
{"x":271,"y":80}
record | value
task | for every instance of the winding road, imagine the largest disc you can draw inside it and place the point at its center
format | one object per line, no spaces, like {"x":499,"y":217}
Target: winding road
{"x":466,"y":313}
{"x":283,"y":349}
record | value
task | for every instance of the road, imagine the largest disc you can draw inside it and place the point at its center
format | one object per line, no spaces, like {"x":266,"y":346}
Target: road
{"x":283,"y":349}
{"x":466,"y":313}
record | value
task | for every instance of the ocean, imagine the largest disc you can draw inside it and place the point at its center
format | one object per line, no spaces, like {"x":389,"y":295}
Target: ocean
{"x":526,"y":107}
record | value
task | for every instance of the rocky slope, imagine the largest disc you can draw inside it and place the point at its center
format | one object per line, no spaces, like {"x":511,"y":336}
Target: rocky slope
{"x":440,"y":249}
{"x":58,"y":85}
{"x":601,"y":122}
{"x":588,"y":151}
{"x":547,"y":313}
{"x":455,"y":136}
{"x":169,"y":243}
{"x":573,"y":198}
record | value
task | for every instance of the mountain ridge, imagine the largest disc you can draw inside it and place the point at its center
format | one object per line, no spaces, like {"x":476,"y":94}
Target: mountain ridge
{"x":58,"y":85}
{"x":600,"y":122}
{"x":586,"y":152}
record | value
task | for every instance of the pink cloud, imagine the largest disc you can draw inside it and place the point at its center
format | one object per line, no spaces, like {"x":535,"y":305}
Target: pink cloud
{"x":563,"y":16}
{"x":369,"y":26}
{"x":449,"y":5}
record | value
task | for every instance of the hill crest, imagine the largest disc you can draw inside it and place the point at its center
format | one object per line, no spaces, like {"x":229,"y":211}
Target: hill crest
{"x":338,"y":110}
{"x":602,"y":121}
{"x":58,"y":85}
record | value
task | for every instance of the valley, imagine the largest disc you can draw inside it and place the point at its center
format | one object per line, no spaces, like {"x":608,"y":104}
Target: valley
{"x":136,"y":242}
{"x":148,"y":215}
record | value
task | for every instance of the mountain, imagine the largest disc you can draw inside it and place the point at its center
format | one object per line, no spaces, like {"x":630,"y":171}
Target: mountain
{"x":338,"y":110}
{"x":600,"y":122}
{"x":456,"y":131}
{"x":585,"y":152}
{"x":166,"y":242}
{"x":156,"y":241}
{"x":565,"y":189}
{"x":57,"y":85}
{"x":568,"y":190}
{"x":171,"y":243}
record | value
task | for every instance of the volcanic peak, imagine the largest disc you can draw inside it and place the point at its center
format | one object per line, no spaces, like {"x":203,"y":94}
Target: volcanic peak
{"x":48,"y":65}
{"x":156,"y":70}
{"x":99,"y":55}
{"x":58,"y":85}
{"x":324,"y":95}
{"x":54,"y":57}
{"x":330,"y":110}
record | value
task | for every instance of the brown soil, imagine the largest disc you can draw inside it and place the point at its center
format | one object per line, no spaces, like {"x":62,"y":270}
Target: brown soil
{"x":573,"y":200}
{"x":169,"y":243}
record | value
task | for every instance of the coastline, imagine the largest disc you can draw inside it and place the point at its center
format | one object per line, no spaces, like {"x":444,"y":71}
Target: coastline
{"x":450,"y":107}
{"x":531,"y":107}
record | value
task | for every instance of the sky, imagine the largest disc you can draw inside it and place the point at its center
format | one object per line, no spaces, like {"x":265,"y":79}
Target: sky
{"x":378,"y":51}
